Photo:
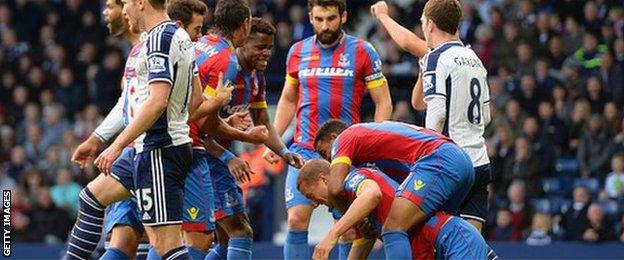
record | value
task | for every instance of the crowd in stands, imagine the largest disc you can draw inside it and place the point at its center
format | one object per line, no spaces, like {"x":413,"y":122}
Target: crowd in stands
{"x":556,"y":141}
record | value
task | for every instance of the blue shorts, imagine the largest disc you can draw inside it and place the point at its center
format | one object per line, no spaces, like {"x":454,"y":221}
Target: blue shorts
{"x":228,"y":197}
{"x":198,"y":212}
{"x":123,"y":213}
{"x":460,"y":240}
{"x":123,"y":168}
{"x":439,"y":180}
{"x":291,"y":193}
{"x":159,"y":179}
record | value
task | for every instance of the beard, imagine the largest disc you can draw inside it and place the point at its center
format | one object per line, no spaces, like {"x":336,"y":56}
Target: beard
{"x":117,"y":27}
{"x":329,"y":37}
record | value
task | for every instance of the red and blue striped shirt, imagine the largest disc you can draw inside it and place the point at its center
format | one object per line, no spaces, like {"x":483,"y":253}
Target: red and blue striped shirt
{"x":331,"y":81}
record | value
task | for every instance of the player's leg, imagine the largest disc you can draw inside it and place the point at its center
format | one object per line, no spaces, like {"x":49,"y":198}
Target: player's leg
{"x":99,"y":193}
{"x":230,"y":212}
{"x":475,"y":206}
{"x":459,"y":240}
{"x":125,"y":228}
{"x":219,"y":252}
{"x":160,"y":175}
{"x":198,"y":218}
{"x":404,"y":214}
{"x":299,"y":211}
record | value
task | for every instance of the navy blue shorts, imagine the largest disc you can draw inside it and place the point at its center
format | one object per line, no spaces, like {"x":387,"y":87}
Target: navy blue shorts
{"x":198,"y":212}
{"x":475,"y":206}
{"x":228,"y":197}
{"x":123,"y":168}
{"x":159,"y":179}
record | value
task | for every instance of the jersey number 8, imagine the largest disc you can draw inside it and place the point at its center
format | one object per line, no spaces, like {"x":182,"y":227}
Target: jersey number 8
{"x":474,"y":107}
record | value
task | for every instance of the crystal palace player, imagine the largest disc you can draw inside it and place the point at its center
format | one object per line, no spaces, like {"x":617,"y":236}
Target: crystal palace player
{"x":439,"y":171}
{"x":370,"y":193}
{"x":327,"y":77}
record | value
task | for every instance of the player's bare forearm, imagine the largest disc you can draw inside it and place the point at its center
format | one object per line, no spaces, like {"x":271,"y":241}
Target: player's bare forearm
{"x":286,"y":107}
{"x":261,"y":117}
{"x":337,"y":173}
{"x":217,"y":127}
{"x":417,"y":96}
{"x":361,"y":248}
{"x":383,"y":102}
{"x":405,"y":38}
{"x":153,"y":108}
{"x":205,"y":108}
{"x":213,"y":148}
{"x":368,"y":197}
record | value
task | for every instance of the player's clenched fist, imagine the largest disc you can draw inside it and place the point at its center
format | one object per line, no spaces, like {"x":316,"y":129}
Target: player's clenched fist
{"x":258,"y":134}
{"x":379,"y":9}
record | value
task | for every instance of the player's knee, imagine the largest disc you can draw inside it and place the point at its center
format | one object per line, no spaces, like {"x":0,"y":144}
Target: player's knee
{"x":242,"y":230}
{"x":298,"y":219}
{"x":199,"y":240}
{"x":125,"y":239}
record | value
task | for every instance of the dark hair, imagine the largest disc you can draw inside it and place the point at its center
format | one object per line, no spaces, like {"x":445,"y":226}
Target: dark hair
{"x":341,"y":4}
{"x":183,"y":10}
{"x":259,"y":25}
{"x":333,"y":126}
{"x":230,"y":15}
{"x":158,"y":4}
{"x":444,"y":13}
{"x":119,"y":2}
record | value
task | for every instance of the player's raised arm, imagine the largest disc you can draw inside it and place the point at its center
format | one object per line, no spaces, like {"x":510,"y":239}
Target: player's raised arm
{"x":406,"y":39}
{"x":368,"y":197}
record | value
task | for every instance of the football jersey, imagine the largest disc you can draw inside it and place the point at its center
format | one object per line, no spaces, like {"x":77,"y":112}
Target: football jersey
{"x":392,"y":147}
{"x":423,"y":239}
{"x":131,"y":79}
{"x":454,"y":73}
{"x":332,"y":82}
{"x":167,"y":56}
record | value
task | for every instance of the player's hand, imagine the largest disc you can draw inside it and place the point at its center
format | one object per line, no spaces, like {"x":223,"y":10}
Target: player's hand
{"x":239,"y":120}
{"x":107,"y":158}
{"x":270,"y":156}
{"x":223,"y":92}
{"x":324,"y":248}
{"x":379,"y":9}
{"x":85,"y":151}
{"x":294,"y":159}
{"x":239,"y":168}
{"x":258,"y":134}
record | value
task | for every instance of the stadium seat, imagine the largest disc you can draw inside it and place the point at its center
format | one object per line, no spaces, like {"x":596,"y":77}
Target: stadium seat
{"x":611,"y":208}
{"x":566,"y":165}
{"x":592,"y":184}
{"x":552,"y":186}
{"x":542,"y":205}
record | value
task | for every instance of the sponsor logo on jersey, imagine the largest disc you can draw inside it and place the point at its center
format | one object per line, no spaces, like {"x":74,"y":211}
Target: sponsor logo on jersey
{"x":326,"y":72}
{"x":419,"y":184}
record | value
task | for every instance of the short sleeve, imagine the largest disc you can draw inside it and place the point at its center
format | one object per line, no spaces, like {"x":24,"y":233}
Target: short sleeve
{"x":162,"y":55}
{"x":258,"y":93}
{"x":292,"y":64}
{"x":226,"y":63}
{"x":435,"y":76}
{"x":343,"y":149}
{"x":372,"y":66}
{"x":352,"y":182}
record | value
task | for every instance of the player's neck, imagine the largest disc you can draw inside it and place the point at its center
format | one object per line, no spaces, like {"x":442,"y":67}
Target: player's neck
{"x":133,"y":38}
{"x":438,"y":40}
{"x":154,"y":18}
{"x":246,"y":66}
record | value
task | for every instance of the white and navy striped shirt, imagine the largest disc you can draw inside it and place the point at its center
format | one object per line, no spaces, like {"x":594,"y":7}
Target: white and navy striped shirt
{"x":455,"y":77}
{"x":168,"y":56}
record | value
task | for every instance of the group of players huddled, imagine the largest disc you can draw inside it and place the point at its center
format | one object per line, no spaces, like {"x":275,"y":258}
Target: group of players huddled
{"x":169,"y":177}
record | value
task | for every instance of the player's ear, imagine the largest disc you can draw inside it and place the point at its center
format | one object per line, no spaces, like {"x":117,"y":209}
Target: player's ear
{"x":343,"y":17}
{"x":179,"y":24}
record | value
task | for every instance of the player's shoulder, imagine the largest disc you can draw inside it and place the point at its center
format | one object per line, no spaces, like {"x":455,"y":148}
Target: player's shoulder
{"x":443,"y":54}
{"x":354,"y":178}
{"x":359,"y":44}
{"x":300,"y":45}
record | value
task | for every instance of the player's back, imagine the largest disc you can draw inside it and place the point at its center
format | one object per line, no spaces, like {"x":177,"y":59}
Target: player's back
{"x":332,"y":82}
{"x":461,"y":77}
{"x":168,"y":54}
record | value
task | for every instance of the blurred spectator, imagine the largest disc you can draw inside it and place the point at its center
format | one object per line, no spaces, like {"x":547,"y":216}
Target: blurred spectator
{"x":521,"y":210}
{"x":540,"y":230}
{"x":485,"y":44}
{"x":614,"y":185}
{"x":106,"y":91}
{"x":34,"y":146}
{"x":595,"y":95}
{"x":48,"y":223}
{"x":523,"y":164}
{"x":599,"y":229}
{"x":594,"y":149}
{"x":54,"y":124}
{"x":612,"y":76}
{"x":590,"y":55}
{"x":525,"y":63}
{"x":32,"y":116}
{"x":612,"y":118}
{"x":573,"y":36}
{"x":580,"y":118}
{"x":528,"y":95}
{"x":18,"y":164}
{"x":552,"y":130}
{"x":574,"y":219}
{"x":543,"y":79}
{"x":556,"y":53}
{"x":301,"y":28}
{"x":68,"y":93}
{"x":503,"y":230}
{"x":65,"y":192}
{"x":32,"y":180}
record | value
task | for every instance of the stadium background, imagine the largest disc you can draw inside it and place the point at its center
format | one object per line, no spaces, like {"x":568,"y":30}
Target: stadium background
{"x":556,"y":139}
